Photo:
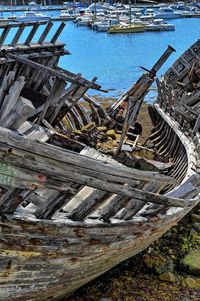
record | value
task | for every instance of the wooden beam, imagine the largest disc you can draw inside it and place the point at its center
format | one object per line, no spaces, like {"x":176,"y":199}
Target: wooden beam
{"x":45,"y":33}
{"x":4,"y":35}
{"x":18,"y":35}
{"x":11,"y":99}
{"x":31,"y":34}
{"x":65,"y":75}
{"x":53,"y":97}
{"x":58,"y":32}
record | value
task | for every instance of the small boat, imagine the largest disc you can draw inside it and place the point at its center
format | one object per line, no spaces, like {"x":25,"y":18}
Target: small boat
{"x":79,"y":192}
{"x":104,"y":25}
{"x":167,"y":13}
{"x":32,"y":16}
{"x":69,"y":15}
{"x":159,"y":25}
{"x":127,"y":28}
{"x":84,"y":20}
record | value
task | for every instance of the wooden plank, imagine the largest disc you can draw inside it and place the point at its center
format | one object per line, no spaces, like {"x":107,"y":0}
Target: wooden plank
{"x":58,"y":32}
{"x":197,"y":125}
{"x":18,"y":35}
{"x":63,"y":156}
{"x":91,"y":203}
{"x":115,"y":205}
{"x":53,"y":97}
{"x":48,"y":208}
{"x":60,"y":73}
{"x":20,"y":114}
{"x":8,"y":80}
{"x":45,"y":32}
{"x":31,"y":34}
{"x":4,"y":35}
{"x":16,"y":176}
{"x":10,"y":200}
{"x":11,"y":99}
{"x":126,"y":125}
{"x":61,"y":102}
{"x":135,"y":205}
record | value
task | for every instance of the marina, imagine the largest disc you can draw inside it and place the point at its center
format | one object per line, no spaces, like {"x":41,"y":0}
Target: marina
{"x":115,"y":73}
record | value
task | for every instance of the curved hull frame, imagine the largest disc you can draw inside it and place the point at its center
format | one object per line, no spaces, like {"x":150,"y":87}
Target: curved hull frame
{"x":45,"y":259}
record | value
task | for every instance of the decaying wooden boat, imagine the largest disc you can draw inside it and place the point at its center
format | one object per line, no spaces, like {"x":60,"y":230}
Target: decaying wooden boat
{"x":76,"y":196}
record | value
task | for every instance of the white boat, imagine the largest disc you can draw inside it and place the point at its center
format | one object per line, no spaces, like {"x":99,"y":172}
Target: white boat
{"x":167,"y":13}
{"x":103,"y":26}
{"x":84,"y":20}
{"x":32,"y":16}
{"x":69,"y":14}
{"x":159,"y":25}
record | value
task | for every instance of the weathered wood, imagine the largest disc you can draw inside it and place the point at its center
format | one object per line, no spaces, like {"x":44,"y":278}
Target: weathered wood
{"x":57,"y":179}
{"x":126,"y":125}
{"x":197,"y":125}
{"x":88,"y":205}
{"x":115,"y":205}
{"x":18,"y":35}
{"x":4,"y":35}
{"x":62,"y":74}
{"x":7,"y":82}
{"x":13,"y":140}
{"x":58,"y":32}
{"x":45,"y":32}
{"x":31,"y":34}
{"x":56,"y":92}
{"x":11,"y":99}
{"x":52,"y":205}
{"x":141,"y":87}
{"x":10,"y":200}
{"x":20,"y":114}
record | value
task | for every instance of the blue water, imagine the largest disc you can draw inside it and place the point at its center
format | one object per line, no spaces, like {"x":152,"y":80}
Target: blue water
{"x":115,"y":59}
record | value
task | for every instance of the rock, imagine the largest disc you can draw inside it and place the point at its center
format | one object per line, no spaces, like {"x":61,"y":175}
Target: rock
{"x":189,"y":282}
{"x":196,"y":226}
{"x":195,"y":217}
{"x":158,"y":263}
{"x":191,"y":262}
{"x":168,"y":276}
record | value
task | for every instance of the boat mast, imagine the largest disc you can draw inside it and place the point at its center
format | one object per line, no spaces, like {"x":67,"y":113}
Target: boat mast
{"x":129,"y":2}
{"x":95,"y":10}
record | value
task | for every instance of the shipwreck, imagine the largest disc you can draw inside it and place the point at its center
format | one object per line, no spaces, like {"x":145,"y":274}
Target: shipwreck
{"x":76,"y":196}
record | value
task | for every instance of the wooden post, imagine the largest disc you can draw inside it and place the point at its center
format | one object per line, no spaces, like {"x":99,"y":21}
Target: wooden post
{"x":45,"y":33}
{"x":58,"y":32}
{"x":4,"y":35}
{"x":197,"y":125}
{"x":53,"y":97}
{"x":31,"y":34}
{"x":125,"y":126}
{"x":18,"y":35}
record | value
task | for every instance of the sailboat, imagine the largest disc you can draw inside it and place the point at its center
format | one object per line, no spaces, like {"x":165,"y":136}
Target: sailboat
{"x":131,"y":27}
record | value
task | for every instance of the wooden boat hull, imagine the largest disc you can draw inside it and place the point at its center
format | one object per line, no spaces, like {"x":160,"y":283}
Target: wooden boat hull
{"x":44,"y":259}
{"x":50,"y":261}
{"x":69,"y":213}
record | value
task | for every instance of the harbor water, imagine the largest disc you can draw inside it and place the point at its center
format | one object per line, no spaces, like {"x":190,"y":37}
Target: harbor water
{"x":116,"y":59}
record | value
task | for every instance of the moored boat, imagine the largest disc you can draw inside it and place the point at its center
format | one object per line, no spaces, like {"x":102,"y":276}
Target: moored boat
{"x":167,"y":13}
{"x":32,"y":16}
{"x":76,"y":196}
{"x":159,"y":25}
{"x":127,"y":28}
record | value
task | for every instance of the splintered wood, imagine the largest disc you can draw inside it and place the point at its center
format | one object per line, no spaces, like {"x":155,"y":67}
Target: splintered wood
{"x":53,"y":136}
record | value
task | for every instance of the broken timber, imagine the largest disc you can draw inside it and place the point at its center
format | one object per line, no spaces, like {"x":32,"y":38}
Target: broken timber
{"x":69,"y":212}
